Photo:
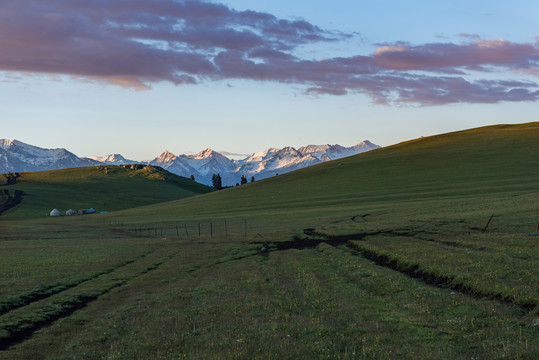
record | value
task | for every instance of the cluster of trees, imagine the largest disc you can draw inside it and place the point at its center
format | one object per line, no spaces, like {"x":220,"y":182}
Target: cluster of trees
{"x":11,"y":178}
{"x":244,"y":180}
{"x":217,"y":183}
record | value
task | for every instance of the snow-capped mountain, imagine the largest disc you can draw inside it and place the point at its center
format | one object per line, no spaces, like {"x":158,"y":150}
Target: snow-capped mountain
{"x":208,"y":162}
{"x":202,"y":165}
{"x":332,"y":152}
{"x":260,"y":165}
{"x":175,"y":164}
{"x":16,"y":156}
{"x":112,"y":159}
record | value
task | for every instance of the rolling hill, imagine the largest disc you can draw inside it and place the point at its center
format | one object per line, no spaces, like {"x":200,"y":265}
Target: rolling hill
{"x":104,"y":188}
{"x":495,"y":159}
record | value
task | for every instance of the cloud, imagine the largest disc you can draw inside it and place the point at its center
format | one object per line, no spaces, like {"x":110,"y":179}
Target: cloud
{"x":138,"y":43}
{"x":448,"y":57}
{"x":233,"y":155}
{"x":470,"y":36}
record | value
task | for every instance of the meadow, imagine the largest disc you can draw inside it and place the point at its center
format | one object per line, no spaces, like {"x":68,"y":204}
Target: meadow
{"x":104,"y":188}
{"x":384,"y":255}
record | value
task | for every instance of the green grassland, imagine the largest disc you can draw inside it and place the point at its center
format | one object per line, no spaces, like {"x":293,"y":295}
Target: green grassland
{"x":105,"y":188}
{"x":376,"y":256}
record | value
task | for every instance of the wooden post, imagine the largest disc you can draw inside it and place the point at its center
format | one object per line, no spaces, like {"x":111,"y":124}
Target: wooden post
{"x":226,"y":229}
{"x":186,"y":232}
{"x":537,"y":229}
{"x":486,"y":226}
{"x":177,"y":231}
{"x":211,"y":229}
{"x":198,"y":229}
{"x":245,"y":228}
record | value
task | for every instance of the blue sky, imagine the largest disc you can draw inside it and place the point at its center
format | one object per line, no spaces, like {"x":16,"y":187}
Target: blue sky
{"x":285,"y":73}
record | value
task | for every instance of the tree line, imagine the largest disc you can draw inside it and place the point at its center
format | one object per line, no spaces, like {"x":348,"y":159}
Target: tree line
{"x":217,"y":182}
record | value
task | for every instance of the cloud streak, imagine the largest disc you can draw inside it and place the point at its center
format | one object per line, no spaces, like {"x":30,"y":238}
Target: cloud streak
{"x":137,"y":43}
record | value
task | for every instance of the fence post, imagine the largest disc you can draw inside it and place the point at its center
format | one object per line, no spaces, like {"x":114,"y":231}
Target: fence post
{"x":198,"y":229}
{"x":226,"y":229}
{"x":211,"y":229}
{"x":186,"y":232}
{"x":486,"y":226}
{"x":177,"y":232}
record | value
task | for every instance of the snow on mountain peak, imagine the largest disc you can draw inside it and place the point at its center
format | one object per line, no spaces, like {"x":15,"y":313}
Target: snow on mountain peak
{"x":35,"y":153}
{"x":5,"y":143}
{"x":204,"y":154}
{"x":21,"y":157}
{"x":112,"y":159}
{"x":166,"y":156}
{"x":367,"y":143}
{"x":309,"y":149}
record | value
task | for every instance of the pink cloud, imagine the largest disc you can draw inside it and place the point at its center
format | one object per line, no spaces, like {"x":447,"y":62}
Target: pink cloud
{"x":137,"y":43}
{"x":443,"y":57}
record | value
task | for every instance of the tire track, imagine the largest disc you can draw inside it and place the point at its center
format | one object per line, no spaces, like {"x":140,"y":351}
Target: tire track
{"x":44,"y":293}
{"x":410,"y":269}
{"x":414,"y":270}
{"x":20,"y":330}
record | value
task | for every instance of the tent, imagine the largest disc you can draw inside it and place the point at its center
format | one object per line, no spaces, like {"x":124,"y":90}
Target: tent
{"x":71,"y":212}
{"x":55,"y":212}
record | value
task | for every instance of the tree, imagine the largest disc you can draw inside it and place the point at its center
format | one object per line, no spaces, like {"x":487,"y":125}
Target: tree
{"x":192,"y":177}
{"x":216,"y":181}
{"x":243,"y":180}
{"x":252,"y":179}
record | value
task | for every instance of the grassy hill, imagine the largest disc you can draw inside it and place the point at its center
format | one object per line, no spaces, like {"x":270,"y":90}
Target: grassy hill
{"x":105,"y":188}
{"x":383,"y":255}
{"x":495,"y":159}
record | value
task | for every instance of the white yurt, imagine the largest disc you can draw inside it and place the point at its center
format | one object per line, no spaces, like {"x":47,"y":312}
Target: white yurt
{"x":55,"y":212}
{"x":71,"y":212}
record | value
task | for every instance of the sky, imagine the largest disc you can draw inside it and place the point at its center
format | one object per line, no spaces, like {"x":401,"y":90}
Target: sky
{"x":137,"y":77}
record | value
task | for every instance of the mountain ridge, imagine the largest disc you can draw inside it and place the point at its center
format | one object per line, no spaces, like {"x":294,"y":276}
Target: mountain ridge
{"x":16,"y":156}
{"x":261,"y":165}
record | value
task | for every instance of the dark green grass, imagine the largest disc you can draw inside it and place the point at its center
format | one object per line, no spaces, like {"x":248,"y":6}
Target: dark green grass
{"x":208,"y":302}
{"x":498,"y":159}
{"x":377,"y":256}
{"x":104,"y":188}
{"x":40,"y":268}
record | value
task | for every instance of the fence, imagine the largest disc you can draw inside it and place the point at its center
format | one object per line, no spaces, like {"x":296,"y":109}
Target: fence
{"x":220,"y":228}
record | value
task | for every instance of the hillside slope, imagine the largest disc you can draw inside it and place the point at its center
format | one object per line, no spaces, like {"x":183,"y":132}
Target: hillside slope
{"x":104,"y":188}
{"x":472,"y":162}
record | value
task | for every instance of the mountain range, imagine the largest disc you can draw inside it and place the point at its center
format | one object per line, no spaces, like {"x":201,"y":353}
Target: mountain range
{"x":16,"y":156}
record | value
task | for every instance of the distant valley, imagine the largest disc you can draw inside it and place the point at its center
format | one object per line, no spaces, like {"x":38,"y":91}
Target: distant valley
{"x":16,"y":156}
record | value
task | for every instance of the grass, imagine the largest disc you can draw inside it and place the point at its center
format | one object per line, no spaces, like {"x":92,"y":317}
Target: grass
{"x":377,"y":256}
{"x":105,"y":188}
